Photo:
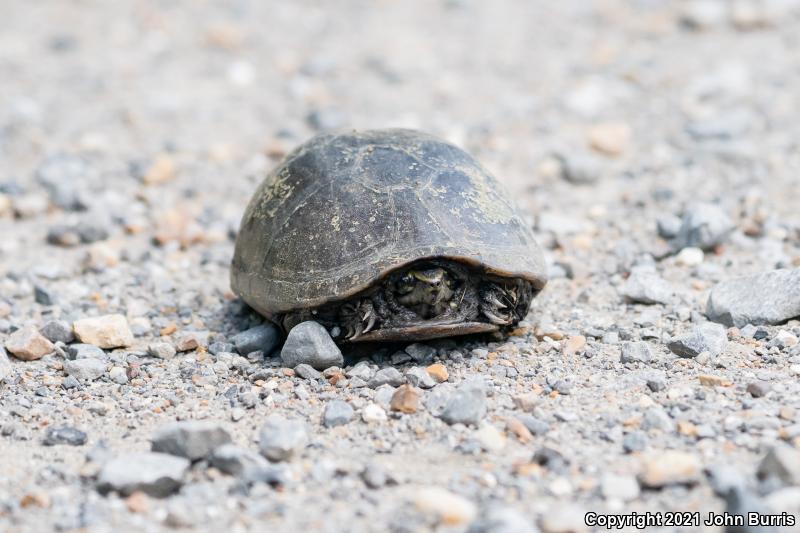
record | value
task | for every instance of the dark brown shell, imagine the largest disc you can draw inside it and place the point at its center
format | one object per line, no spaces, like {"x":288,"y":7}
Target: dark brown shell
{"x":344,"y":209}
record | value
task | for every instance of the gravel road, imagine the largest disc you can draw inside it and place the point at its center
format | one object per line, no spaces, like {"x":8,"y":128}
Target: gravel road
{"x":653,"y":144}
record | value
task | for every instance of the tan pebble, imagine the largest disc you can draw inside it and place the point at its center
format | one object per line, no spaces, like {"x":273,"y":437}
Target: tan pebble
{"x":574,"y":344}
{"x":37,"y":498}
{"x":526,"y":401}
{"x":519,"y":430}
{"x":669,"y":467}
{"x":708,"y":380}
{"x":138,"y":502}
{"x":405,"y":400}
{"x":687,"y":428}
{"x":446,"y":507}
{"x":28,"y":344}
{"x":438,"y":372}
{"x":160,"y":171}
{"x":610,"y":138}
{"x":786,"y":413}
{"x":108,"y":331}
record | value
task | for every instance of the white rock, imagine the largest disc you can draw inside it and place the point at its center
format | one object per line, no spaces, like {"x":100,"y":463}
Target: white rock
{"x":109,"y":331}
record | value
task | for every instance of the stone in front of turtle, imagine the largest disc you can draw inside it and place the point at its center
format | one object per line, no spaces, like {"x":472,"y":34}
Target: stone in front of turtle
{"x":385,"y":235}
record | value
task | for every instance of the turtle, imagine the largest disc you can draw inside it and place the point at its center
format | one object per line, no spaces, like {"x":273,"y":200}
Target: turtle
{"x":385,"y":235}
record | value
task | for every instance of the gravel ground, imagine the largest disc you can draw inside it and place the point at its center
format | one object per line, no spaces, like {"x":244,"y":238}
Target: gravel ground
{"x":654,"y":144}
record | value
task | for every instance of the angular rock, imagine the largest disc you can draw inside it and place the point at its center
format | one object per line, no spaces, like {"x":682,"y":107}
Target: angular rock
{"x":64,"y":435}
{"x":767,"y":298}
{"x":191,"y":340}
{"x":373,"y":413}
{"x":438,"y":372}
{"x":192,"y":439}
{"x":310,"y":343}
{"x":85,"y":351}
{"x":703,"y":226}
{"x":635,"y":352}
{"x":28,"y":344}
{"x":405,"y":400}
{"x":419,"y":377}
{"x":281,"y":439}
{"x":444,"y":506}
{"x":85,"y":369}
{"x":109,"y":331}
{"x":669,"y":467}
{"x":307,"y":372}
{"x":619,"y":487}
{"x":237,"y":461}
{"x":58,"y":331}
{"x":501,"y":518}
{"x":5,"y":365}
{"x":265,"y":337}
{"x":647,"y":288}
{"x":386,"y":376}
{"x":155,"y":474}
{"x":781,"y":462}
{"x":162,"y":350}
{"x":337,"y":413}
{"x":467,"y":405}
{"x":706,"y":337}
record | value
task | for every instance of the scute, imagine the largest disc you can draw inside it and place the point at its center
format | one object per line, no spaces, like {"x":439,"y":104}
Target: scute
{"x":344,"y":209}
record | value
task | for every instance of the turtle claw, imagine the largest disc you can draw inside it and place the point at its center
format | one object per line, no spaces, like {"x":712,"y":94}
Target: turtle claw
{"x":495,"y":318}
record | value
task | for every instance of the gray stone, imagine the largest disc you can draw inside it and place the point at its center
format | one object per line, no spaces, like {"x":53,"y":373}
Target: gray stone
{"x":58,"y":331}
{"x":374,"y":476}
{"x":60,"y":175}
{"x":237,"y":461}
{"x":467,"y":405}
{"x":647,"y":288}
{"x":767,"y":298}
{"x":668,"y":226}
{"x":118,"y":375}
{"x":657,"y":418}
{"x":419,"y":377}
{"x":707,"y":337}
{"x":64,"y":435}
{"x":307,"y":372}
{"x":501,"y":518}
{"x":386,"y":376}
{"x":281,"y":439}
{"x":155,"y":474}
{"x":781,"y":463}
{"x":533,"y":424}
{"x":635,"y":352}
{"x":70,"y":382}
{"x":657,"y":382}
{"x":758,"y":389}
{"x":337,"y":413}
{"x":703,"y":226}
{"x":311,"y":344}
{"x":85,"y":369}
{"x":265,"y":337}
{"x":192,"y":439}
{"x":635,"y":441}
{"x":581,"y":168}
{"x":619,"y":487}
{"x":85,"y":351}
{"x":5,"y":365}
{"x":420,"y":353}
{"x":361,"y":370}
{"x":162,"y":350}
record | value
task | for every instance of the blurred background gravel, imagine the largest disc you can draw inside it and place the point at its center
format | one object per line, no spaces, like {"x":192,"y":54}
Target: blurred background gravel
{"x":132,"y":134}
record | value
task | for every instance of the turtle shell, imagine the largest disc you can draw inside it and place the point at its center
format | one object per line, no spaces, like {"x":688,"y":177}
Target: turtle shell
{"x":344,"y":209}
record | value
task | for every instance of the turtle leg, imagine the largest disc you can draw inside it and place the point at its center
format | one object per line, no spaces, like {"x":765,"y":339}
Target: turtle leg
{"x":498,"y":303}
